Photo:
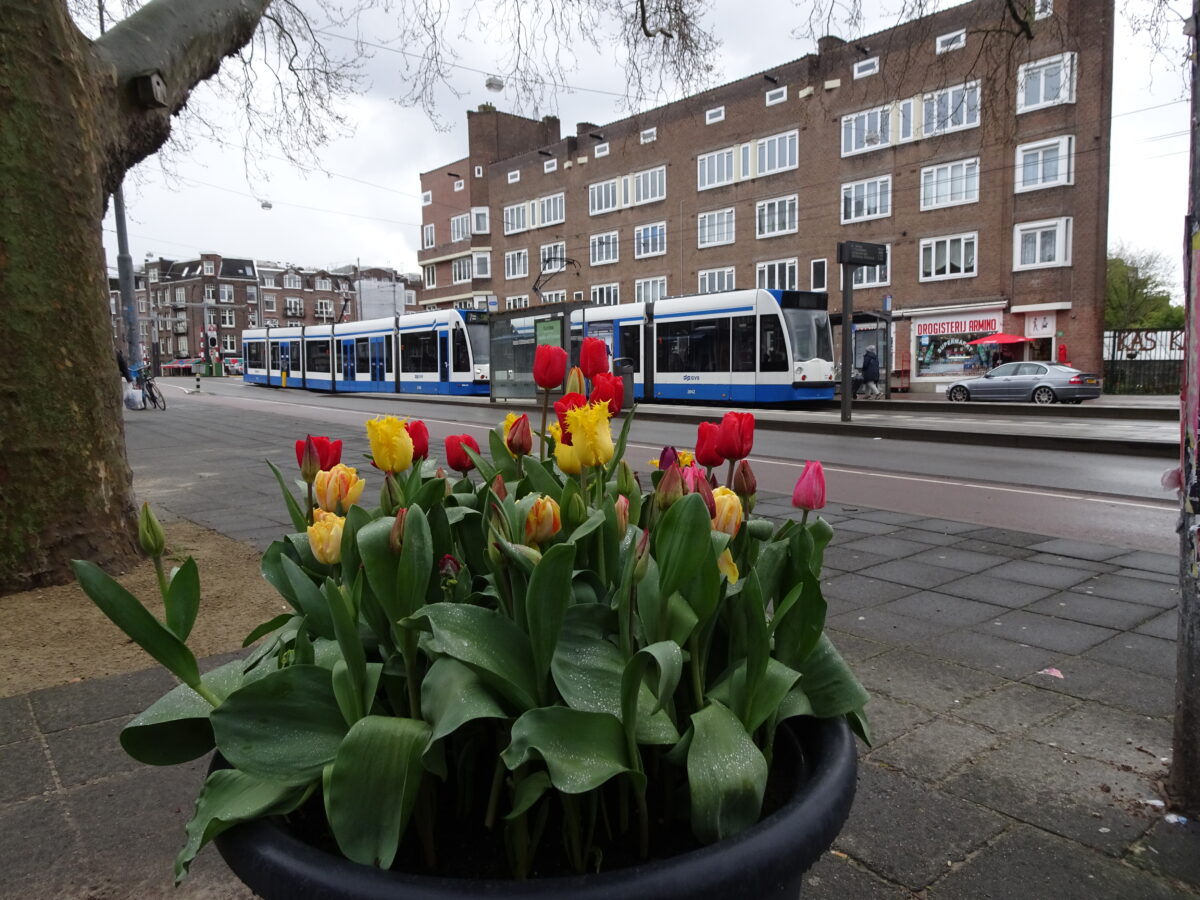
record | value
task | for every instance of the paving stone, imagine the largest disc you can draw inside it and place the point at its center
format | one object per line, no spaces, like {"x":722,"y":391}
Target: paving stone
{"x":889,"y":804}
{"x":889,"y":628}
{"x":960,"y":560}
{"x":1095,"y":610}
{"x":1132,"y":590}
{"x":859,"y":590}
{"x":924,"y":681}
{"x":1163,"y":563}
{"x":1091,"y":679}
{"x":26,"y":773}
{"x":38,"y":849}
{"x":886,"y":547}
{"x":914,"y":574}
{"x":1145,"y":575}
{"x":931,"y":606}
{"x":1009,"y":551}
{"x":946,"y":526}
{"x":854,"y":648}
{"x":991,"y":653}
{"x":1113,"y":736}
{"x":1140,"y":652}
{"x":933,"y":750}
{"x":1007,"y":536}
{"x":16,"y":720}
{"x":1015,"y":707}
{"x":1028,"y":863}
{"x":865,"y":526}
{"x":1165,"y":626}
{"x":837,"y":877}
{"x":849,"y":560}
{"x":1025,"y":572}
{"x":1063,"y":635}
{"x":1079,"y":549}
{"x":1072,"y":796}
{"x":889,"y":719}
{"x":1001,"y":591}
{"x":1171,"y":849}
{"x":96,"y":699}
{"x":89,"y":752}
{"x":930,"y":538}
{"x":1087,"y":565}
{"x":889,"y":516}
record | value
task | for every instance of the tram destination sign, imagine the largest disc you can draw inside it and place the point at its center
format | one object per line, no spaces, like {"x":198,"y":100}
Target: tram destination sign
{"x":860,"y":253}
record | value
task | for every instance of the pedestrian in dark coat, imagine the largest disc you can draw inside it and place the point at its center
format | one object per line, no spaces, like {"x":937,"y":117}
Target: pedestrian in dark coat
{"x":870,"y":373}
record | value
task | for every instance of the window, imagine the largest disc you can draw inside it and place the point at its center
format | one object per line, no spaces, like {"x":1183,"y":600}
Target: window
{"x":1041,"y":245}
{"x":818,"y":279}
{"x":778,"y":95}
{"x":514,"y":176}
{"x":427,"y":198}
{"x":554,"y":296}
{"x":269,"y":281}
{"x":459,"y":185}
{"x":324,"y":309}
{"x":481,"y":264}
{"x":866,"y":130}
{"x":714,"y":115}
{"x":955,"y":40}
{"x":292,"y":282}
{"x":647,"y":290}
{"x":604,"y":248}
{"x":294,"y":306}
{"x":553,"y":257}
{"x":153,"y":275}
{"x":715,"y":228}
{"x":208,"y":267}
{"x":775,"y":217}
{"x":872,"y":276}
{"x":226,"y":293}
{"x":251,"y":293}
{"x":600,"y":150}
{"x":427,"y":238}
{"x":460,"y":270}
{"x":550,"y":165}
{"x":324,"y":284}
{"x":479,"y":171}
{"x":143,"y":304}
{"x":553,"y":209}
{"x":180,"y":296}
{"x":714,"y":169}
{"x":1047,"y":82}
{"x":480,"y":223}
{"x":649,"y":136}
{"x":1043,"y":8}
{"x":268,"y":303}
{"x":518,"y":302}
{"x":602,"y":197}
{"x":951,"y":109}
{"x":693,"y":345}
{"x":650,"y":240}
{"x":1045,"y":164}
{"x":948,"y":257}
{"x":777,"y":153}
{"x":866,"y":67}
{"x":516,"y":218}
{"x":229,"y":343}
{"x":606,"y":294}
{"x":210,"y":292}
{"x":868,"y":199}
{"x":182,"y":349}
{"x":460,"y":227}
{"x":650,"y":185}
{"x":430,"y":276}
{"x":713,"y":281}
{"x":516,"y":264}
{"x":778,"y":274}
{"x":950,"y":184}
{"x":228,"y":319}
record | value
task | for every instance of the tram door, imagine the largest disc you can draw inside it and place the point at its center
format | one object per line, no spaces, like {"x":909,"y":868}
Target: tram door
{"x":285,"y":362}
{"x":443,"y":356}
{"x":348,"y":373}
{"x":378,"y":353}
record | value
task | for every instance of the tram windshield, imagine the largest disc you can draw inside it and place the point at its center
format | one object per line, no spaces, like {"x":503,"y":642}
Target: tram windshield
{"x":810,"y":333}
{"x":477,"y":334}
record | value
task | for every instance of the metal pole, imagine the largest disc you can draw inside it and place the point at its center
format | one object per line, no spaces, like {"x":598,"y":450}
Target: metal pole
{"x":847,"y":339}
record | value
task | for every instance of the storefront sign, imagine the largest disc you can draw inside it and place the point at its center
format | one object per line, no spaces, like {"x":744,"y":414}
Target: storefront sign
{"x":1040,"y":325}
{"x":981,"y":323}
{"x":941,"y":347}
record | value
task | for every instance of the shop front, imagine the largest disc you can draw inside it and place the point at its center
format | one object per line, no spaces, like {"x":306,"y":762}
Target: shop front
{"x":942,"y":351}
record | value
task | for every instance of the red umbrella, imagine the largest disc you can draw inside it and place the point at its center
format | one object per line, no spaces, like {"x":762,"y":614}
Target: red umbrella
{"x":999,"y":339}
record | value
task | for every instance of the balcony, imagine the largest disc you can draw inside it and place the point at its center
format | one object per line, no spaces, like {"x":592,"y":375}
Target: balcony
{"x":180,"y":328}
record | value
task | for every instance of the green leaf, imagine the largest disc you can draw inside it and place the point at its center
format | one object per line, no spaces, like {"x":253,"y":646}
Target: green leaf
{"x":590,"y":524}
{"x":267,"y":627}
{"x":821,"y":533}
{"x":546,"y":604}
{"x":758,"y":643}
{"x":830,"y":685}
{"x":582,"y":750}
{"x":381,"y":564}
{"x":356,"y":518}
{"x":373,"y":786}
{"x":227,"y":798}
{"x":453,"y":694}
{"x":774,"y":691}
{"x":486,"y":469}
{"x":795,"y":703}
{"x":299,"y":520}
{"x":455,"y":514}
{"x":502,"y":461}
{"x":431,"y":494}
{"x":857,"y":719}
{"x":667,"y":658}
{"x":542,"y":481}
{"x":271,"y":567}
{"x":622,"y":440}
{"x":529,"y":790}
{"x":308,"y":599}
{"x":800,"y":624}
{"x":681,"y":620}
{"x":727,"y":775}
{"x":124,"y":610}
{"x":284,"y":727}
{"x":485,"y":640}
{"x":183,"y":599}
{"x":682,"y":532}
{"x":769,"y":567}
{"x":416,"y":562}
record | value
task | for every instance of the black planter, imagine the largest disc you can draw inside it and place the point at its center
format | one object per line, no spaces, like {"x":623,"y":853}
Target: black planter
{"x":768,"y":860}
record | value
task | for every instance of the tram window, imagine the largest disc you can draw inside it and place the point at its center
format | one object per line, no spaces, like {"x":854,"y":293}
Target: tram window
{"x":701,"y":345}
{"x":317,"y":356}
{"x":743,"y":344}
{"x":387,"y":355}
{"x":462,"y":359}
{"x":337,"y":355}
{"x":275,"y":355}
{"x":631,"y":345}
{"x":254,"y":355}
{"x":772,"y":350}
{"x":418,"y":352}
{"x":362,"y":354}
{"x":295,"y":356}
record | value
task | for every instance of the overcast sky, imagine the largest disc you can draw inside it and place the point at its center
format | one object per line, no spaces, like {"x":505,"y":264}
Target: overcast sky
{"x":367,"y":206}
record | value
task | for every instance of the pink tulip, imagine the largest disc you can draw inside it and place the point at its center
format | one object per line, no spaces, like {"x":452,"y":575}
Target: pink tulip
{"x":809,"y":492}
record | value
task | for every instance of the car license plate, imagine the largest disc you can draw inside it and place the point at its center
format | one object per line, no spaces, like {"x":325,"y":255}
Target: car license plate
{"x":1089,"y":381}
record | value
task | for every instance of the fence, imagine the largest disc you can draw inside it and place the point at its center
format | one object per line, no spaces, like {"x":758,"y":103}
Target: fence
{"x":1143,"y":361}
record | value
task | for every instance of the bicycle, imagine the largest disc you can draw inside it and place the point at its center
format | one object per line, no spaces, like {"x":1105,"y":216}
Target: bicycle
{"x":151,"y":392}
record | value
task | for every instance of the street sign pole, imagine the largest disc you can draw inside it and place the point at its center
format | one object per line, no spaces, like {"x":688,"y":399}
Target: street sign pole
{"x":851,"y":255}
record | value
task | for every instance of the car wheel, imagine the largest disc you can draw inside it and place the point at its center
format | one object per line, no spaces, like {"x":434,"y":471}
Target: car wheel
{"x":1043,"y":395}
{"x":958,"y":394}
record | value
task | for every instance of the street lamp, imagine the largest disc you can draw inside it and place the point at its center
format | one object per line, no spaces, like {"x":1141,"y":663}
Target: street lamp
{"x":494,"y":83}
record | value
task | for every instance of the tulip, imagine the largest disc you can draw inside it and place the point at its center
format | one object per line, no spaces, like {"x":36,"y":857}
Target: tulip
{"x":685,"y":458}
{"x":809,"y":492}
{"x":562,"y":407}
{"x":449,"y":566}
{"x":151,"y":536}
{"x":325,"y":537}
{"x":517,"y":436}
{"x":622,"y":505}
{"x":728,"y":516}
{"x":542,"y":522}
{"x":667,"y":458}
{"x":338,"y":489}
{"x":420,"y":438}
{"x":626,"y":480}
{"x":392,"y":495}
{"x":564,"y":454}
{"x":309,"y":458}
{"x":456,"y":458}
{"x":396,"y":535}
{"x":698,"y":484}
{"x":610,"y":389}
{"x":593,"y":357}
{"x":575,"y":512}
{"x":498,"y":487}
{"x":391,"y":446}
{"x":549,"y":366}
{"x":329,"y":453}
{"x":574,"y":383}
{"x":735,"y":439}
{"x":641,"y":557}
{"x":706,"y":445}
{"x":745,"y":485}
{"x":670,"y":488}
{"x":591,"y":434}
{"x":727,"y":567}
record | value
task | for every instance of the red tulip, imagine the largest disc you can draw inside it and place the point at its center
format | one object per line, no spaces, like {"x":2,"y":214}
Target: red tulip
{"x":562,"y":407}
{"x":610,"y":388}
{"x":456,"y":457}
{"x":670,"y":488}
{"x":735,"y":439}
{"x":809,"y":492}
{"x":420,"y":438}
{"x":519,"y":439}
{"x":328,"y":452}
{"x":695,"y":483}
{"x":706,"y":445}
{"x":549,"y":366}
{"x":593,"y":357}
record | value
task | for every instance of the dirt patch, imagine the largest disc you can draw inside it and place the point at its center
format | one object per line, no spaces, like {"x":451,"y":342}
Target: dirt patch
{"x":55,"y":635}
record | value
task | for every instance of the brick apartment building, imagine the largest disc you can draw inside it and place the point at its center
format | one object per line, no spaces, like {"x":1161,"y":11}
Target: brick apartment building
{"x":979,"y":159}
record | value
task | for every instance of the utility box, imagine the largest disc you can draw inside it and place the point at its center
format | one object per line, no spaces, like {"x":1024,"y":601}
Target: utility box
{"x":623,"y":366}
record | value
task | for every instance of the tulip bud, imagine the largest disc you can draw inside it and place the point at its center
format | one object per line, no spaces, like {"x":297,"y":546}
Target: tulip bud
{"x":622,"y":515}
{"x":745,"y":485}
{"x":667,"y":458}
{"x":543,"y":521}
{"x":325,"y":537}
{"x":392,"y":496}
{"x":670,"y":488}
{"x":396,"y":536}
{"x":809,"y":492}
{"x":705,"y":490}
{"x":575,"y":384}
{"x":641,"y":557}
{"x":498,"y":487}
{"x":310,"y":461}
{"x":626,"y":482}
{"x":150,"y":533}
{"x":519,"y":438}
{"x":530,"y":554}
{"x":575,"y":512}
{"x":727,"y":516}
{"x":449,"y":566}
{"x":440,"y":473}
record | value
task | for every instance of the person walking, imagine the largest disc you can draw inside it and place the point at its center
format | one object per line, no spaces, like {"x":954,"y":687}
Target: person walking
{"x":870,"y":374}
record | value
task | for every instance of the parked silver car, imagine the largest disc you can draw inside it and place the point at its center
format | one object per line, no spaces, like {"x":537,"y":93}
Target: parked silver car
{"x":1028,"y":382}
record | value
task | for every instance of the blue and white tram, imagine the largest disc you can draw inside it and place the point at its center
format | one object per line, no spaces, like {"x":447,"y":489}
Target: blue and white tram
{"x":746,"y":346}
{"x":437,"y":352}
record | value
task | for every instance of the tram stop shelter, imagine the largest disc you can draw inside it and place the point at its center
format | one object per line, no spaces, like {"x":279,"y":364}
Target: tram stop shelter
{"x":513,"y":338}
{"x":870,"y":327}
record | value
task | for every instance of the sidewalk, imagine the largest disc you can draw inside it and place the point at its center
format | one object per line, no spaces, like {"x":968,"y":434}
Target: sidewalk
{"x":990,"y":775}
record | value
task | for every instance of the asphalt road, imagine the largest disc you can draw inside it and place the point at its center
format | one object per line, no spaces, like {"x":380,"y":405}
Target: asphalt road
{"x":1066,"y":492}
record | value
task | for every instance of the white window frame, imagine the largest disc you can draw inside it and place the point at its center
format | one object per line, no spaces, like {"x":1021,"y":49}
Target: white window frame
{"x":268,"y":303}
{"x":649,"y":289}
{"x":873,"y":276}
{"x":481,"y":265}
{"x":711,"y":281}
{"x":1065,"y":145}
{"x":947,"y":43}
{"x":552,"y":209}
{"x":649,"y":185}
{"x":461,"y":270}
{"x":786,"y":267}
{"x":228,"y":318}
{"x":479,"y":171}
{"x":775,"y":96}
{"x":516,"y":264}
{"x":520,"y":301}
{"x":604,"y":249}
{"x":944,"y":173}
{"x":1067,"y":63}
{"x":547,"y":251}
{"x":549,"y":165}
{"x":714,"y":169}
{"x":514,"y":176}
{"x":225,"y":293}
{"x":789,"y":142}
{"x":716,"y":229}
{"x":459,"y":185}
{"x":957,"y":97}
{"x":229,"y":343}
{"x":767,"y":213}
{"x":865,"y":68}
{"x":606,"y":294}
{"x":429,"y":275}
{"x":293,"y":282}
{"x":812,"y":275}
{"x":269,"y":281}
{"x":1062,"y":228}
{"x":427,"y":236}
{"x":324,"y":308}
{"x":948,"y":243}
{"x":554,"y":296}
{"x":516,"y":218}
{"x":481,"y":220}
{"x":460,"y":227}
{"x":210,"y":292}
{"x":293,"y":306}
{"x":857,"y":131}
{"x":599,"y":195}
{"x":600,"y":150}
{"x":860,"y":195}
{"x":650,"y":240}
{"x":321,"y":284}
{"x":714,"y":115}
{"x":1042,"y":9}
{"x":648,"y":135}
{"x":209,"y":267}
{"x":426,"y":198}
{"x":180,"y":295}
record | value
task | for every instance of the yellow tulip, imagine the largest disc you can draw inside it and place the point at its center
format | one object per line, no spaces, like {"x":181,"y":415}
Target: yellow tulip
{"x":391,"y":444}
{"x":542,"y":522}
{"x":686,"y":458}
{"x":728,"y":517}
{"x":338,"y":487}
{"x":727,"y":566}
{"x":325,"y":536}
{"x":591,"y":434}
{"x":564,"y":454}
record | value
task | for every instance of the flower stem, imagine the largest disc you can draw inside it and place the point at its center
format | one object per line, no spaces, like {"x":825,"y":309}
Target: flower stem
{"x":489,"y":818}
{"x":697,"y":686}
{"x":804,"y":519}
{"x":309,"y":515}
{"x":729,"y":475}
{"x":545,"y":411}
{"x":162,"y":577}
